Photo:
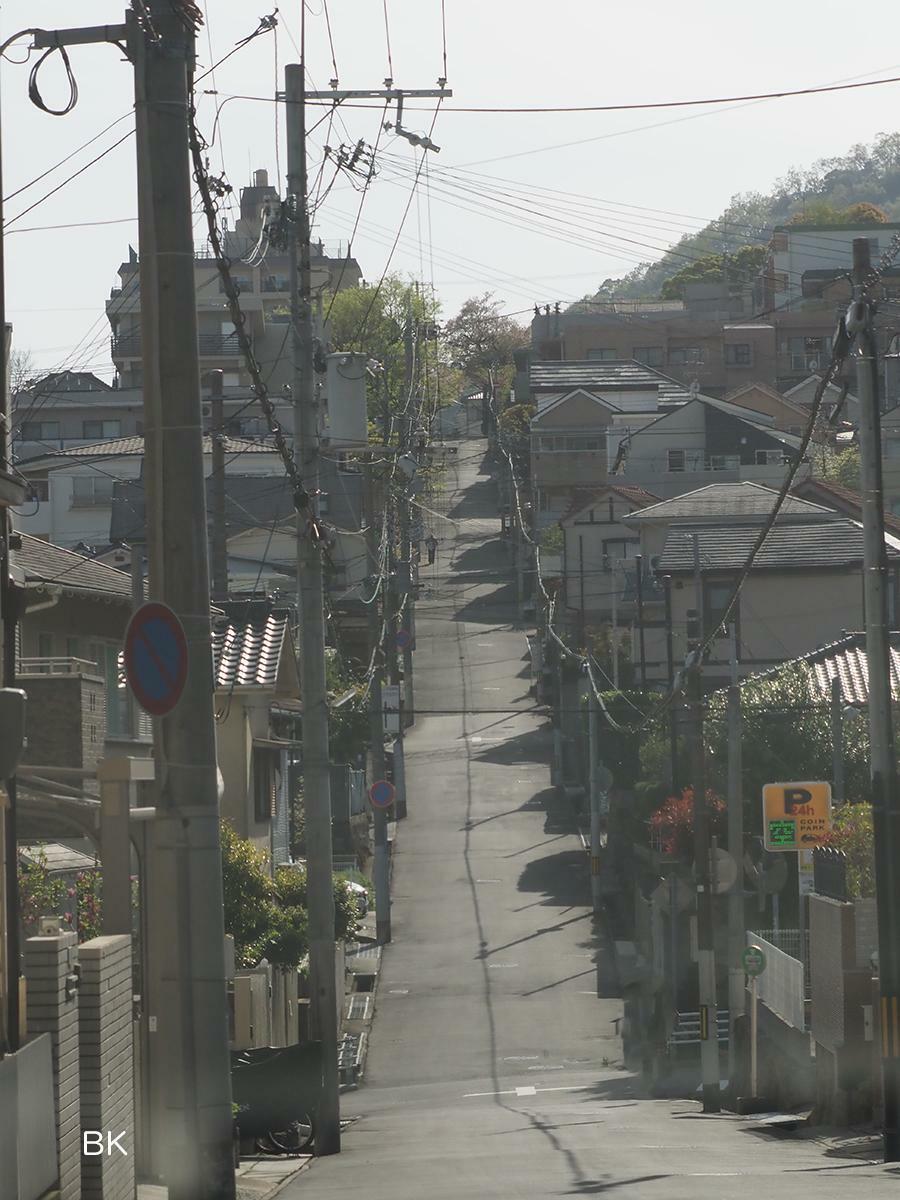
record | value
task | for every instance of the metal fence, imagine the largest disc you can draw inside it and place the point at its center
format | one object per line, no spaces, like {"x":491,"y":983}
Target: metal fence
{"x":782,"y":985}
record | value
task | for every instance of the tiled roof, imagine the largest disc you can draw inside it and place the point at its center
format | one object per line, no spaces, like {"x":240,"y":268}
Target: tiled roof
{"x":843,"y":499}
{"x":807,"y":547}
{"x":581,"y":497}
{"x":247,"y":654}
{"x":130,"y":446}
{"x":42,"y":562}
{"x":846,"y":660}
{"x":745,"y":499}
{"x":615,"y":376}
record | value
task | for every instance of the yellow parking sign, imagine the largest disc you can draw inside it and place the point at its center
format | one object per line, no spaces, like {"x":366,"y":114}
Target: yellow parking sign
{"x":796,"y":816}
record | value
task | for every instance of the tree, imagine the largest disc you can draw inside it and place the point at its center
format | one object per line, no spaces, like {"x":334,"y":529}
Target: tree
{"x":854,"y":834}
{"x":481,"y":341}
{"x":737,"y":267}
{"x":21,"y":371}
{"x":841,"y":466}
{"x":379,"y":322}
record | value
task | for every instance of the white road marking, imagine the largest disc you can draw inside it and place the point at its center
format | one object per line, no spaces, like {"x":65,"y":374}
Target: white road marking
{"x":543,"y":1068}
{"x":486,"y":739}
{"x":399,"y":991}
{"x":487,"y":645}
{"x":521,"y":1057}
{"x":488,"y":880}
{"x":499,"y":966}
{"x":526,"y":1091}
{"x":512,"y":1091}
{"x":490,"y":689}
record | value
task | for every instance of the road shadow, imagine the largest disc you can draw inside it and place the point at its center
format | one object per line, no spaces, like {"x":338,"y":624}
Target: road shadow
{"x":532,"y":747}
{"x":479,"y":500}
{"x":489,"y":556}
{"x":562,"y":878}
{"x":498,"y":605}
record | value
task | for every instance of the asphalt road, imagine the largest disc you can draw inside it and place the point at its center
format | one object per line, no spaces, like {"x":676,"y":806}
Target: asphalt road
{"x":494,"y":1070}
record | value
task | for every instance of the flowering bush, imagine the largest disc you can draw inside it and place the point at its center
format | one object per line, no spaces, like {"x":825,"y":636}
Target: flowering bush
{"x":40,"y":895}
{"x":672,"y":824}
{"x":853,"y":832}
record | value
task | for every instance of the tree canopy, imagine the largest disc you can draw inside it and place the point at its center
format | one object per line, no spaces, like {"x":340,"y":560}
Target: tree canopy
{"x":481,"y":340}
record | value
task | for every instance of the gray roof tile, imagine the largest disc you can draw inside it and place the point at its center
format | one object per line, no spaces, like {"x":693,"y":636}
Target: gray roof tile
{"x":42,"y":562}
{"x":744,"y":499}
{"x":844,"y":659}
{"x":795,"y":547}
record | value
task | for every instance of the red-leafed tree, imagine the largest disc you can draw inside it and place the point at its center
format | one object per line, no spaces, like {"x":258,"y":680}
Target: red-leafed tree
{"x":672,"y":824}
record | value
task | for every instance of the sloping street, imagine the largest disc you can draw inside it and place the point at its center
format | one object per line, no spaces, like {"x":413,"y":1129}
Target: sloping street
{"x":494,"y":1069}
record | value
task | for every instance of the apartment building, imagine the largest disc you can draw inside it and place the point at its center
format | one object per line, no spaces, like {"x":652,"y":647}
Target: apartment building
{"x":262,"y":274}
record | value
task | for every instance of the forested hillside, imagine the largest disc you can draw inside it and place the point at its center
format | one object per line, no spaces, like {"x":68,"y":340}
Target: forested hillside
{"x":865,"y":175}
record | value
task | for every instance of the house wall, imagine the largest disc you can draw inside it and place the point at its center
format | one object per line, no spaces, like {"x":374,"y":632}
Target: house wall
{"x":583,"y":558}
{"x":246,"y":717}
{"x":780,"y":615}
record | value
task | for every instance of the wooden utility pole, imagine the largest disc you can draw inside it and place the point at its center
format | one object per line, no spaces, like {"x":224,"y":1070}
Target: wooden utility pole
{"x":882,"y":755}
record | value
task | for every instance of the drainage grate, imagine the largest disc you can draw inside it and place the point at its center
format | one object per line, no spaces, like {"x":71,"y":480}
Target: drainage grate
{"x":360,"y":1006}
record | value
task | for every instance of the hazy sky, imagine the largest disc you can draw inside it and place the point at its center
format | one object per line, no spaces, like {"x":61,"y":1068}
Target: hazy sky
{"x":637,"y":170}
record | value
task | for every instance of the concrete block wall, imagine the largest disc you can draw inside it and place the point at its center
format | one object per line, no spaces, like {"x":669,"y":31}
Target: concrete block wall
{"x":107,"y":1064}
{"x":50,"y":964}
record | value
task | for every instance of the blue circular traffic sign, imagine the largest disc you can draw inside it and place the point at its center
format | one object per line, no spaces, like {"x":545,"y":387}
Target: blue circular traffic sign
{"x":382,"y":793}
{"x":404,"y":639}
{"x":156,"y":658}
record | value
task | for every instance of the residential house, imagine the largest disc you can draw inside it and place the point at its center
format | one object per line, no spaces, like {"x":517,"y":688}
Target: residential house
{"x":265,"y":296}
{"x":72,"y":408}
{"x":842,"y":499}
{"x":257,"y":711}
{"x":72,"y":489}
{"x":804,"y":588}
{"x":70,"y":640}
{"x":788,"y":415}
{"x":596,"y":547}
{"x":703,"y":441}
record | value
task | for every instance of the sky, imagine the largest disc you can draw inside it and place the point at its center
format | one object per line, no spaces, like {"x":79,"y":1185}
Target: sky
{"x":633,"y":181}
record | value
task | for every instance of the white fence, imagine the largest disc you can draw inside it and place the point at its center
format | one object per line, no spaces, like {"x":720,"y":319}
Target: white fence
{"x":782,"y":985}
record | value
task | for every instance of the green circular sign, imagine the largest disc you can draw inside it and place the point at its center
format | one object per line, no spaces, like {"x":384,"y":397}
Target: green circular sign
{"x":753,"y":961}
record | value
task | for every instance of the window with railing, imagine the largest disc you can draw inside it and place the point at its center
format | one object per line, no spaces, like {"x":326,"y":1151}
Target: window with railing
{"x":739,"y":354}
{"x":685,"y":356}
{"x":602,"y":354}
{"x":807,"y":353}
{"x":650,"y":356}
{"x":724,"y":462}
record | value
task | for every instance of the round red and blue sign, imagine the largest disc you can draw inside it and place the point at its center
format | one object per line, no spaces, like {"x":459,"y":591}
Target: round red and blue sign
{"x":382,"y":794}
{"x":156,"y":658}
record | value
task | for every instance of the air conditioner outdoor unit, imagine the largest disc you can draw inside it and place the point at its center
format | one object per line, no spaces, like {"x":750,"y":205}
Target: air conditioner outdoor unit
{"x":812,"y":364}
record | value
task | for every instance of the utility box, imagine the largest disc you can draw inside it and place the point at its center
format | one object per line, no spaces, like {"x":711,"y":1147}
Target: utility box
{"x":348,"y":422}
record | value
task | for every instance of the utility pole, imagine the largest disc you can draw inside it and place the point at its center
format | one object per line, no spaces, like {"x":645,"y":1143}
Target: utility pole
{"x":670,"y":664}
{"x":192,"y":1022}
{"x":410,"y":421}
{"x":218,"y":541}
{"x":381,"y":866}
{"x":706,"y":959}
{"x":615,"y":627}
{"x":594,"y":785}
{"x":639,"y":560}
{"x":311,"y":620}
{"x":882,"y":760}
{"x":736,"y":921}
{"x":838,"y":786}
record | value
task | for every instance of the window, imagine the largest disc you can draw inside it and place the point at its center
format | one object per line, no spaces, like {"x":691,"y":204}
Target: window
{"x":650,"y":356}
{"x":605,"y":354}
{"x":685,"y":356}
{"x":769,"y":458}
{"x":676,"y":460}
{"x":101,"y":429}
{"x":739,"y":354}
{"x":716,"y":594}
{"x":72,"y":647}
{"x":266,"y":762}
{"x":90,"y":490}
{"x":807,"y":353}
{"x":724,"y":462}
{"x":40,"y":431}
{"x":40,"y":489}
{"x":45,"y":645}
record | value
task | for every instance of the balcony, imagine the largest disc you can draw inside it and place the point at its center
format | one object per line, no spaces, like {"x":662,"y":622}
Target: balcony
{"x":210,"y":345}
